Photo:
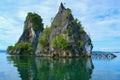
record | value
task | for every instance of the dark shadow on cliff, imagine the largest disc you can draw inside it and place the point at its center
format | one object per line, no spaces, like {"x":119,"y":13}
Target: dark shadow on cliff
{"x":36,"y":68}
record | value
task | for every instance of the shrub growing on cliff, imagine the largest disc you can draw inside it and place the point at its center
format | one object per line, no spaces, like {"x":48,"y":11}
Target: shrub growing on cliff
{"x":36,"y":19}
{"x":44,"y":39}
{"x":81,"y":30}
{"x":24,"y":48}
{"x":75,"y":21}
{"x":10,"y":48}
{"x":68,"y":12}
{"x":80,"y":43}
{"x":60,"y":42}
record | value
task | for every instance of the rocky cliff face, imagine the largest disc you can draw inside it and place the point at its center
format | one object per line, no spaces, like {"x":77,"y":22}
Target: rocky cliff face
{"x":28,"y":41}
{"x":64,"y":23}
{"x":31,"y":32}
{"x":67,"y":37}
{"x":64,"y":38}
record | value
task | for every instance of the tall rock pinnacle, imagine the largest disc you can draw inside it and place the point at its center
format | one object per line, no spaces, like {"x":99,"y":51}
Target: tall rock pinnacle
{"x":61,"y":8}
{"x":28,"y":41}
{"x":64,"y":23}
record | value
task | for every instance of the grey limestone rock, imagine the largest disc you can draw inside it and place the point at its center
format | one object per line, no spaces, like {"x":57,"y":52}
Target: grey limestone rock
{"x":64,"y":22}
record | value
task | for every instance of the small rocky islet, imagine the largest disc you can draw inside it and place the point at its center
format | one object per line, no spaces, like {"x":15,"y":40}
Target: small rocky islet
{"x":65,"y":37}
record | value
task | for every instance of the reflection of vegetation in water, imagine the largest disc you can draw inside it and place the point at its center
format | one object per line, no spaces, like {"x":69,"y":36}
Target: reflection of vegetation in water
{"x":31,"y":68}
{"x":24,"y":66}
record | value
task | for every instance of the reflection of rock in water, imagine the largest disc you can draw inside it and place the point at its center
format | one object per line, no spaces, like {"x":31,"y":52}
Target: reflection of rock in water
{"x":64,"y":69}
{"x":25,"y":66}
{"x":53,"y":69}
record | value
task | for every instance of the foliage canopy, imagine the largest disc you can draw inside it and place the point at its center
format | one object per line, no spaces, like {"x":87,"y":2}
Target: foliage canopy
{"x":60,"y":42}
{"x":44,"y":38}
{"x":36,"y":20}
{"x":24,"y":48}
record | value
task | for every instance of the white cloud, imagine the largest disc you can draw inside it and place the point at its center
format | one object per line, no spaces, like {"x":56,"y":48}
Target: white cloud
{"x":21,"y":15}
{"x":9,"y":31}
{"x":100,"y":18}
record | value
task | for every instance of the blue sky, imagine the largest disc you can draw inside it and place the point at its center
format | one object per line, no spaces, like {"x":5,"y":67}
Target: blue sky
{"x":101,"y":19}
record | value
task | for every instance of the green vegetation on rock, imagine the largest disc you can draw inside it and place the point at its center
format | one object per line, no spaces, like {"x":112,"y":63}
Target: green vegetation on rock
{"x":10,"y":49}
{"x":21,"y":48}
{"x":24,"y":47}
{"x":36,"y":20}
{"x":55,"y":25}
{"x":60,"y":42}
{"x":68,"y":12}
{"x":81,"y":30}
{"x":80,"y":43}
{"x":74,"y":21}
{"x":44,"y":38}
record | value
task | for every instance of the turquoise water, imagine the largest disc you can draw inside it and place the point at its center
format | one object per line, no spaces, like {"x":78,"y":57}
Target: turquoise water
{"x":36,"y":68}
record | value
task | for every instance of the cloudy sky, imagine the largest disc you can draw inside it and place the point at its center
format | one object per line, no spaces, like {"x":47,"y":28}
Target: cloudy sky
{"x":101,"y":19}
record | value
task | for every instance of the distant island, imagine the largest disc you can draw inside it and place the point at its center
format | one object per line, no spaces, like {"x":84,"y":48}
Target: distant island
{"x":2,"y":51}
{"x":65,"y":37}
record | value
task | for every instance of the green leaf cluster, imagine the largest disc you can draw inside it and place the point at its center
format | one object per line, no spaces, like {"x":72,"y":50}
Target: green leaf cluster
{"x":60,"y":42}
{"x":80,"y":43}
{"x":76,"y":21}
{"x":44,"y":38}
{"x":67,"y":13}
{"x":10,"y":48}
{"x":81,"y":30}
{"x":24,"y":48}
{"x":36,"y":20}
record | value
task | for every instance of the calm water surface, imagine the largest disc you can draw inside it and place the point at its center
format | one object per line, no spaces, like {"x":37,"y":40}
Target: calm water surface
{"x":36,"y":68}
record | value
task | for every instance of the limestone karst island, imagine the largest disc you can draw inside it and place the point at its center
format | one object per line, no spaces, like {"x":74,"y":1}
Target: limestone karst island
{"x":60,"y":40}
{"x":65,"y":37}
